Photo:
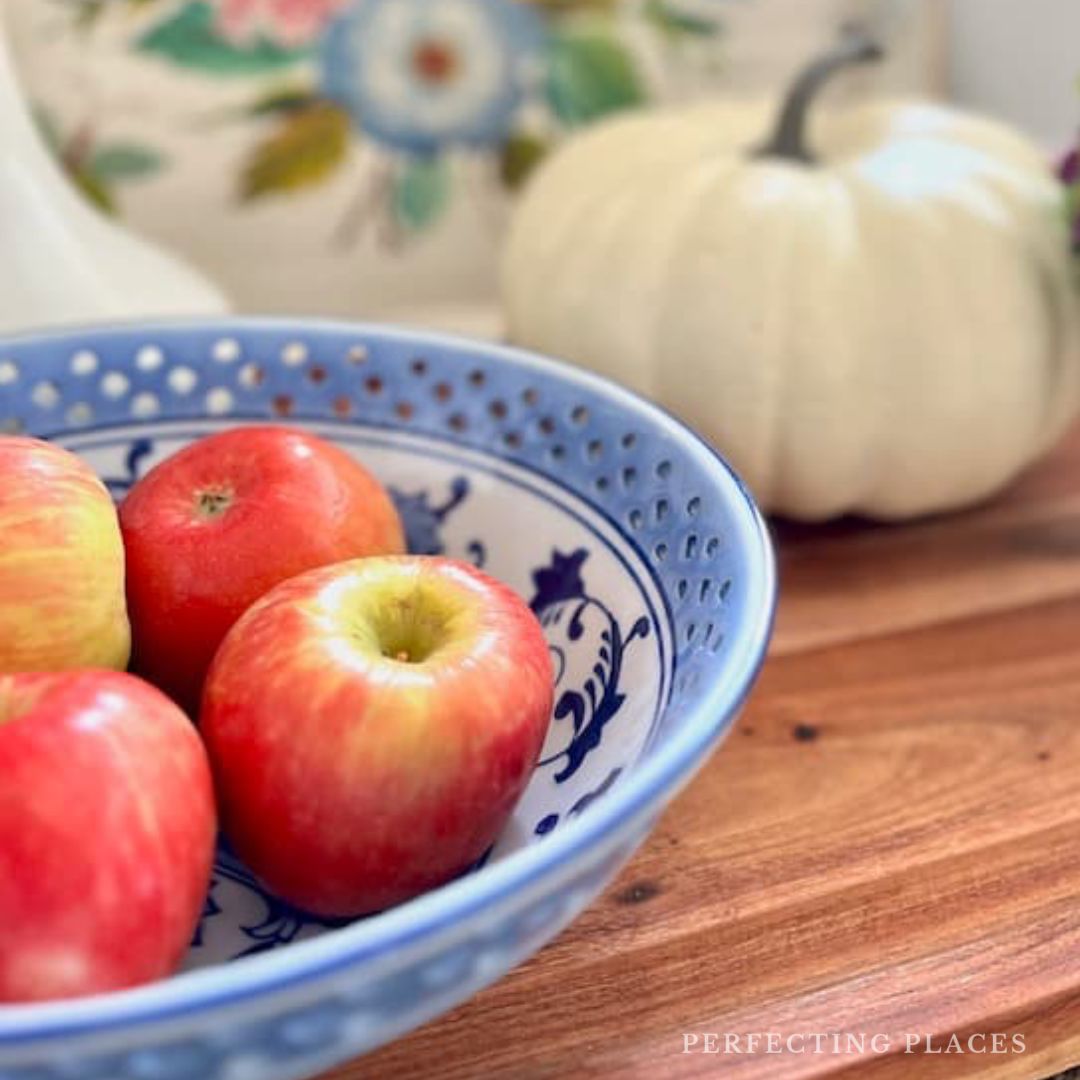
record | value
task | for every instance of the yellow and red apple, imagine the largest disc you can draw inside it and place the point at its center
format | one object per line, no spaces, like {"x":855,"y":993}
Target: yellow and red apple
{"x":107,"y":828}
{"x":217,"y":525}
{"x":61,"y":563}
{"x":371,"y":726}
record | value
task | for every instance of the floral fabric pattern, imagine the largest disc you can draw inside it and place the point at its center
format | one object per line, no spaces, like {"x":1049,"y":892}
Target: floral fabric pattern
{"x":287,"y":22}
{"x":406,"y":83}
{"x":258,"y":139}
{"x":422,"y":74}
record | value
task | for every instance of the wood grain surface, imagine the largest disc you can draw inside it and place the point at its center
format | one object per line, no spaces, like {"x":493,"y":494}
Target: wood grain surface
{"x":888,"y":844}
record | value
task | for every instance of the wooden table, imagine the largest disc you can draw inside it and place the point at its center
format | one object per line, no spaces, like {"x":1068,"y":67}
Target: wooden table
{"x":888,"y":843}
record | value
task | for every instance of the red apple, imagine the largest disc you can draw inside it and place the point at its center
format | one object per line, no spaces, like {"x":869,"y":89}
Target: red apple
{"x":371,"y":727}
{"x":61,"y":563}
{"x":217,"y":525}
{"x":107,"y":829}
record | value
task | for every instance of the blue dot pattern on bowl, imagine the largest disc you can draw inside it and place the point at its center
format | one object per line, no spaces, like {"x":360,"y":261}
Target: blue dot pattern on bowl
{"x":665,"y":499}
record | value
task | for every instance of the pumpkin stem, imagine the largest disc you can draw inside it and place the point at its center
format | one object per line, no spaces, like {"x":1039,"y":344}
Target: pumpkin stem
{"x":789,"y":137}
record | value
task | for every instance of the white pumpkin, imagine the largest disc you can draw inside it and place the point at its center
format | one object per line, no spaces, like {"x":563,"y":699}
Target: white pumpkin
{"x":889,"y":328}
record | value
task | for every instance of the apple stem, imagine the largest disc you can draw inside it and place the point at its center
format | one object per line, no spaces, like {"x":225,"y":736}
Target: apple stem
{"x":402,"y":656}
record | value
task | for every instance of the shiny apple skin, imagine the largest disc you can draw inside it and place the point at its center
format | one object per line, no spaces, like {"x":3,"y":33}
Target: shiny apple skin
{"x":61,"y":563}
{"x":348,"y":780}
{"x":107,"y":831}
{"x":296,"y":502}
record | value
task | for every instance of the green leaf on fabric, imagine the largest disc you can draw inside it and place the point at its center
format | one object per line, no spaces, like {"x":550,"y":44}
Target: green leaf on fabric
{"x":304,"y":150}
{"x":421,"y":193}
{"x":520,"y":155}
{"x":565,"y":7}
{"x":125,"y":161}
{"x":589,"y":76}
{"x":95,"y":190}
{"x":190,"y":38}
{"x":48,"y":130}
{"x":87,"y":13}
{"x":283,"y":99}
{"x":675,"y":23}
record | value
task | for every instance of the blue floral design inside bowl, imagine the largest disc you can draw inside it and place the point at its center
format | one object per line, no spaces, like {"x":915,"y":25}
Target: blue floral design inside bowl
{"x":639,"y":551}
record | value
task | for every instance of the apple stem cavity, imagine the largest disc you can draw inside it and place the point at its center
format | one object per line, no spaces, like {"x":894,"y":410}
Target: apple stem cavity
{"x":213,"y":503}
{"x":406,"y":622}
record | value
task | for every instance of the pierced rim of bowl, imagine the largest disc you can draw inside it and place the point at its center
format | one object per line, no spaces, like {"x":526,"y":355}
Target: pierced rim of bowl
{"x":389,"y":933}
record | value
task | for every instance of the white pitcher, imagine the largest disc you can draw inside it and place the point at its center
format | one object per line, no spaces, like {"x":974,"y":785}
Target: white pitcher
{"x":61,"y":261}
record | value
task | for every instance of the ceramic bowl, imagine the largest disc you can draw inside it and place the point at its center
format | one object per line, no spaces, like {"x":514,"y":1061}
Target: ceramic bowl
{"x":642,"y":555}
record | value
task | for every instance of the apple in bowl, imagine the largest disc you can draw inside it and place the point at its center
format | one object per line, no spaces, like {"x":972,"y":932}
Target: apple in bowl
{"x":61,"y":563}
{"x":107,"y":830}
{"x":371,"y":726}
{"x":211,"y":529}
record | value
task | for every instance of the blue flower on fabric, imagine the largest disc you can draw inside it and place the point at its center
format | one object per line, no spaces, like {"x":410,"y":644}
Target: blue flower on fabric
{"x":418,"y":75}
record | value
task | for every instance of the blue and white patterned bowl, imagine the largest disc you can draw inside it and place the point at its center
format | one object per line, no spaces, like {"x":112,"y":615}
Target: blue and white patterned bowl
{"x":644,"y":558}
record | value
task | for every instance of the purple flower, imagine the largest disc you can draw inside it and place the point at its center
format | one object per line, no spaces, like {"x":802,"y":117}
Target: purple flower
{"x":1069,"y":169}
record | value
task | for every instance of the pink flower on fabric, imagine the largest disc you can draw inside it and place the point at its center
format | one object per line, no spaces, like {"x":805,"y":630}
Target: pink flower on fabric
{"x":286,"y":22}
